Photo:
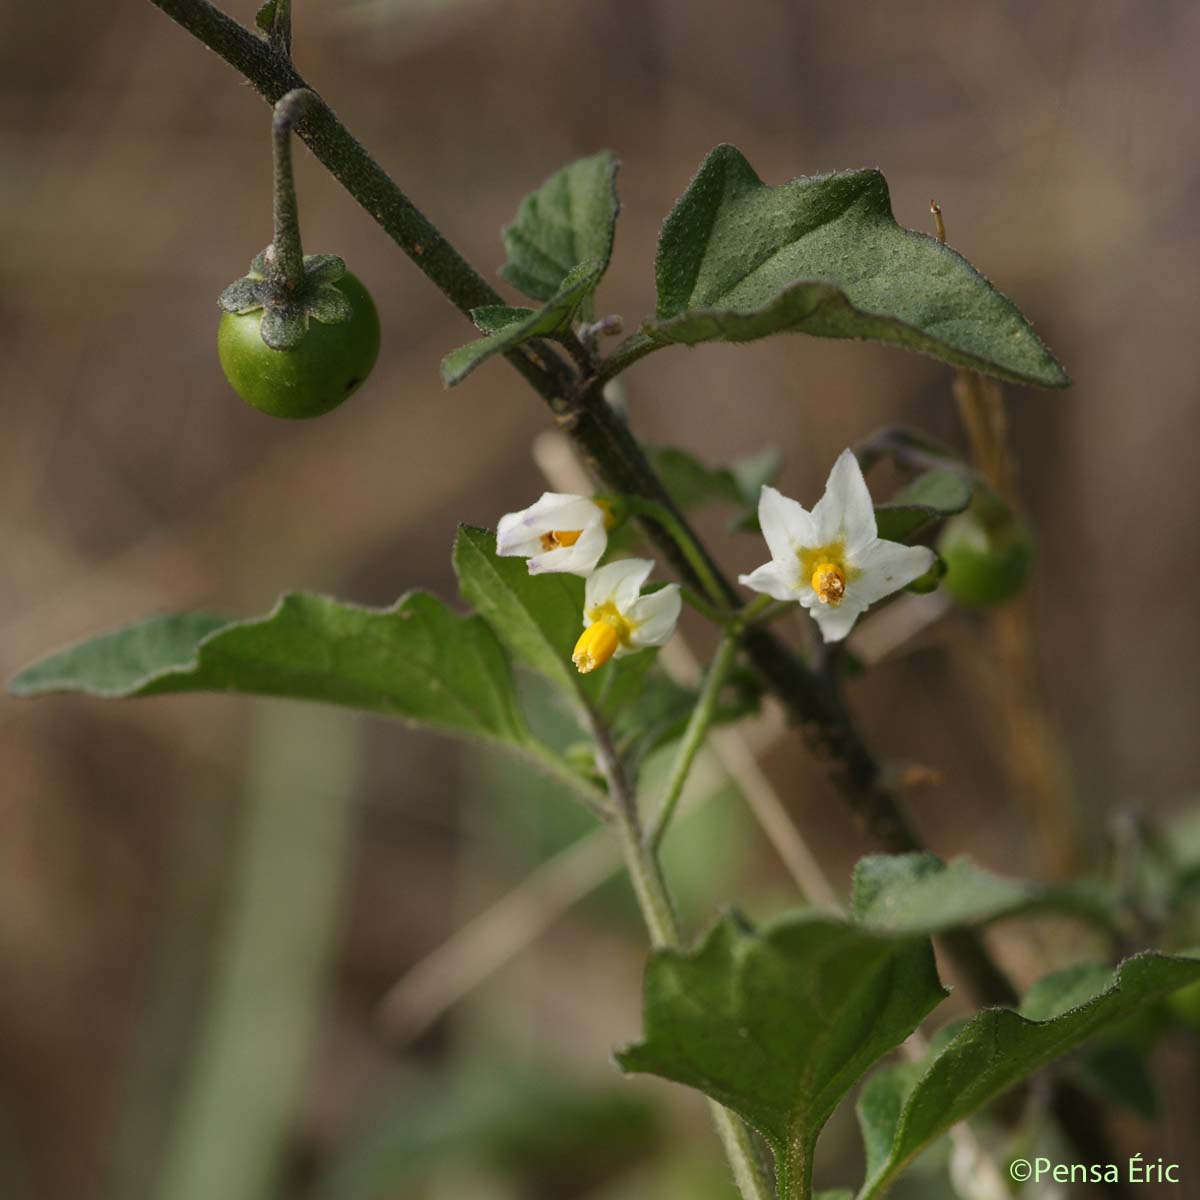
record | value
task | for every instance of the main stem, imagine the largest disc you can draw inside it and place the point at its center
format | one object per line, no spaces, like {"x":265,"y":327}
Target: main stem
{"x":645,"y":873}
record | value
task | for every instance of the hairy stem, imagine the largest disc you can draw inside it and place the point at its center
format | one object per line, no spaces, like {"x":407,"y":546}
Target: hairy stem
{"x":641,"y":862}
{"x":636,"y":346}
{"x":287,"y":249}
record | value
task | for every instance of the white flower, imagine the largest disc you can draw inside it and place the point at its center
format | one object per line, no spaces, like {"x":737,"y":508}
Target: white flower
{"x":618,"y":619}
{"x":560,"y":532}
{"x":830,"y":559}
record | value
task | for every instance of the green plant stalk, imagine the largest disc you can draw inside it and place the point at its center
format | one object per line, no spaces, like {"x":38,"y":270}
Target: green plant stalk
{"x":658,"y":913}
{"x":693,"y":739}
{"x":689,"y":547}
{"x":702,"y":606}
{"x":287,"y":249}
{"x":604,"y":440}
{"x":636,"y":346}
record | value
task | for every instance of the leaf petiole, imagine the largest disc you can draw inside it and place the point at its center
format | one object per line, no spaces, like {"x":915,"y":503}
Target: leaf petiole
{"x":716,"y":615}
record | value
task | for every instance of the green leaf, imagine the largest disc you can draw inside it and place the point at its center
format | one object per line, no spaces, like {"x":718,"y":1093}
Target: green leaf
{"x":492,"y":318}
{"x":264,"y":18}
{"x":417,"y":661}
{"x":920,"y":505}
{"x":118,"y":664}
{"x":537,"y":617}
{"x":693,"y":484}
{"x":738,"y":260}
{"x":526,"y":324}
{"x":920,"y":894}
{"x":570,"y":220}
{"x":1119,"y":1074}
{"x":778,"y":1025}
{"x":998,"y":1048}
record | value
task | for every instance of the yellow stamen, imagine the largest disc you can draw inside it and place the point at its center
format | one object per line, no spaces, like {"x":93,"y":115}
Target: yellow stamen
{"x":560,"y":537}
{"x":596,"y":645}
{"x":829,"y":583}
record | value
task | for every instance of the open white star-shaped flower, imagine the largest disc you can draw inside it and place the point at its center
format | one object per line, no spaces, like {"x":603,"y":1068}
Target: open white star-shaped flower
{"x":830,"y":559}
{"x":618,"y":619}
{"x":559,"y":532}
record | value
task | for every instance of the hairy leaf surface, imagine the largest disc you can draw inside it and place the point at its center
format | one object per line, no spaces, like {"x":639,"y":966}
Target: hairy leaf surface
{"x":738,"y":260}
{"x":570,"y":220}
{"x":417,"y":661}
{"x":777,"y":1025}
{"x":903,"y":1109}
{"x":920,"y":894}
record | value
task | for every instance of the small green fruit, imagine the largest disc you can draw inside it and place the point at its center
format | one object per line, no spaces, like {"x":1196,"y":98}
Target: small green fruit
{"x":988,"y":561}
{"x":329,"y":364}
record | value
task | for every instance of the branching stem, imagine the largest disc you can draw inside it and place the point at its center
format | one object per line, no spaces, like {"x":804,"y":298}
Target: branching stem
{"x":604,"y":440}
{"x":636,"y":346}
{"x":602,"y":437}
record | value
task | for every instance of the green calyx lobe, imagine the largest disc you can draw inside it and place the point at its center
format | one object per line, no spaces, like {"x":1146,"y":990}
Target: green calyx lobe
{"x":288,"y":309}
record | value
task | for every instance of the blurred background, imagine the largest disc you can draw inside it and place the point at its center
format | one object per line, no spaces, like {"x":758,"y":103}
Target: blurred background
{"x":205,"y":901}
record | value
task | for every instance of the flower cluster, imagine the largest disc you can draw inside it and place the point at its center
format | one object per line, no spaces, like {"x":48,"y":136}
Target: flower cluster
{"x":567,"y":533}
{"x":830,"y":561}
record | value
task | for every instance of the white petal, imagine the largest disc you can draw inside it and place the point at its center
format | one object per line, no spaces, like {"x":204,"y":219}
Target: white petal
{"x":552,"y":510}
{"x":655,"y":616}
{"x":515,"y":540}
{"x":579,"y":559}
{"x":586,"y":552}
{"x":886,"y":567}
{"x":845,"y":512}
{"x":772,"y":579}
{"x":786,"y":524}
{"x":617,"y":582}
{"x":835,"y":623}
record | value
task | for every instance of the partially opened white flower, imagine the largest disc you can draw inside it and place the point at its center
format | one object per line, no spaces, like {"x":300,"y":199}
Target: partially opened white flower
{"x":830,"y":559}
{"x":560,"y":532}
{"x":618,"y":619}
